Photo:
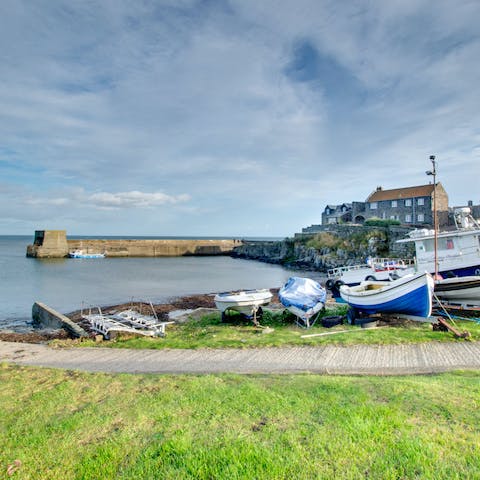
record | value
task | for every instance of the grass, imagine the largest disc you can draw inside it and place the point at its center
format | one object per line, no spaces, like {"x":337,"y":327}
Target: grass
{"x":62,"y":424}
{"x":210,"y":332}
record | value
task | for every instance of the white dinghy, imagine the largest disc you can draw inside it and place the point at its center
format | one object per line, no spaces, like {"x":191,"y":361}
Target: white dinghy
{"x":246,"y":302}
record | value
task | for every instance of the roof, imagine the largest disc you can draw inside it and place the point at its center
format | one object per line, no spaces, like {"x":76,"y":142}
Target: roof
{"x":399,"y":193}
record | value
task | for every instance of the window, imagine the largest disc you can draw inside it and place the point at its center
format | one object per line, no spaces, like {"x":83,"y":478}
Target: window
{"x":420,"y":201}
{"x":420,"y":217}
{"x":408,"y":202}
{"x":393,"y":217}
{"x":408,"y":218}
{"x":394,"y":203}
{"x":373,"y":206}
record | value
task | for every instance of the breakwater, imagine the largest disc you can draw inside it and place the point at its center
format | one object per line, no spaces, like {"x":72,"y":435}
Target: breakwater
{"x":55,"y":244}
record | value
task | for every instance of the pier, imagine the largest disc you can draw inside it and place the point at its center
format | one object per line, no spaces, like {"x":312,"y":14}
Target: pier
{"x":55,"y":244}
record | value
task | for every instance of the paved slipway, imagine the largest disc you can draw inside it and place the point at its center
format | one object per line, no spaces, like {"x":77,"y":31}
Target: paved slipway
{"x":357,"y":360}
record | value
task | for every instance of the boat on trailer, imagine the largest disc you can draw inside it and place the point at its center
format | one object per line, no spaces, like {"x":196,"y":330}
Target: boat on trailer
{"x":410,"y":295}
{"x":246,"y":302}
{"x":303,"y":297}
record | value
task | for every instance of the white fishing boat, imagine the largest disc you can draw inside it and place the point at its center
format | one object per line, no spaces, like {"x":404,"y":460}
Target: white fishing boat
{"x":459,"y":290}
{"x":409,"y":295}
{"x":82,"y":254}
{"x":457,"y":251}
{"x":373,"y":269}
{"x":303,"y":297}
{"x":246,"y":302}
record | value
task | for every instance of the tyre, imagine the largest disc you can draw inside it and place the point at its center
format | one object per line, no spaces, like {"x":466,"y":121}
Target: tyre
{"x":338,"y":284}
{"x":351,"y":315}
{"x":332,"y":321}
{"x":371,"y":278}
{"x":329,"y":284}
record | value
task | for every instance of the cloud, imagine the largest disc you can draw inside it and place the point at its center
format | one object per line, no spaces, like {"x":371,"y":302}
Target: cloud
{"x":271,"y":108}
{"x":134,"y":199}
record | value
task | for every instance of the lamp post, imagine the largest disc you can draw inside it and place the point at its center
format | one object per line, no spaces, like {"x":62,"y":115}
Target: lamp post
{"x":433,"y":172}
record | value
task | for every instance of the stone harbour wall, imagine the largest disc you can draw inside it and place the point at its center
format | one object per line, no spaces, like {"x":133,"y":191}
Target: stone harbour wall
{"x":54,"y":244}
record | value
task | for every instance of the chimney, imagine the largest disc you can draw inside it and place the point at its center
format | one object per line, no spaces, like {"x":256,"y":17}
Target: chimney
{"x":470,"y":203}
{"x":379,"y":188}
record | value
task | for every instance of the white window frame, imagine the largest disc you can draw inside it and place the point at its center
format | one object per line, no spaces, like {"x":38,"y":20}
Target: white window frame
{"x":408,"y":202}
{"x":394,"y":203}
{"x":408,"y":218}
{"x":420,"y":217}
{"x":420,"y":201}
{"x":373,"y":206}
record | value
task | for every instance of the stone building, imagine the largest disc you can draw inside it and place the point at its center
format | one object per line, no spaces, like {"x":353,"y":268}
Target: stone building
{"x":411,"y":206}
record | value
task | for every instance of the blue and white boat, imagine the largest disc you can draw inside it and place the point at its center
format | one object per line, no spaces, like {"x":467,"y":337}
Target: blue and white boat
{"x":409,"y":295}
{"x":82,"y":254}
{"x":304,"y":298}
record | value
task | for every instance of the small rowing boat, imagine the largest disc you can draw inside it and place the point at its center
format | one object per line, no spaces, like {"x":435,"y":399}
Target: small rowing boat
{"x":246,"y":302}
{"x":409,"y":295}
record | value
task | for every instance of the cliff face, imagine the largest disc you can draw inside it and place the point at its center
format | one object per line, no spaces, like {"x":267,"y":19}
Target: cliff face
{"x":324,"y":251}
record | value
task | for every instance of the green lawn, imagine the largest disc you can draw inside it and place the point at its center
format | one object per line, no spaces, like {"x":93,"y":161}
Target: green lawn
{"x":210,"y":332}
{"x":70,"y":425}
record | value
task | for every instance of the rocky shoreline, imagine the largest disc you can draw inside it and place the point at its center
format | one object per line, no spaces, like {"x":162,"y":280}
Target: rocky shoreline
{"x":162,"y":311}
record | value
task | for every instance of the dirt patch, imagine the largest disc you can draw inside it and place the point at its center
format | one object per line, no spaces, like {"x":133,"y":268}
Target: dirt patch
{"x":34,"y":337}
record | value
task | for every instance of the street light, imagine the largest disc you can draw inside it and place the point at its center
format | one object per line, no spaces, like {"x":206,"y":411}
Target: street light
{"x":433,"y":172}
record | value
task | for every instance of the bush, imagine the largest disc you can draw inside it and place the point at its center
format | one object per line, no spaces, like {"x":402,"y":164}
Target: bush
{"x":324,"y":240}
{"x":378,"y":222}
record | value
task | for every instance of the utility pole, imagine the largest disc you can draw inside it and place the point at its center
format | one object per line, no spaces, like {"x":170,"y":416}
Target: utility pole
{"x":433,"y":172}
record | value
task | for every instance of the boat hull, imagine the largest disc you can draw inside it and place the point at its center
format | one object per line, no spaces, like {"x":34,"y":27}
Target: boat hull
{"x":411,"y":295}
{"x":463,"y":290}
{"x":245,"y":302}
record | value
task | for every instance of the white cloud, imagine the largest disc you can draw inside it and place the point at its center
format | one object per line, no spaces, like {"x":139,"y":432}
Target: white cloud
{"x":120,"y":106}
{"x":134,"y":199}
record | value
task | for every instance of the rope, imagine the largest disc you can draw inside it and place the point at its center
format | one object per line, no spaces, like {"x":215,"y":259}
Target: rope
{"x":443,"y":308}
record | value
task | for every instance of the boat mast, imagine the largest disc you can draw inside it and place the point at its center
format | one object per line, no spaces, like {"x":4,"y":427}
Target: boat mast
{"x":433,"y":172}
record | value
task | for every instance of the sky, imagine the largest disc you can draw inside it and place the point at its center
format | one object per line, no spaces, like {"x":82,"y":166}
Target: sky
{"x":235,"y":118}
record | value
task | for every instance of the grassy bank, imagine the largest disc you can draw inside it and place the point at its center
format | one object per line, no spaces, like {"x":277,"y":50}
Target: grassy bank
{"x":63,"y":424}
{"x":209,"y":331}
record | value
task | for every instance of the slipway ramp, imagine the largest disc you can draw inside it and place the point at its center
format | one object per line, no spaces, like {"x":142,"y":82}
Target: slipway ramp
{"x":422,"y":358}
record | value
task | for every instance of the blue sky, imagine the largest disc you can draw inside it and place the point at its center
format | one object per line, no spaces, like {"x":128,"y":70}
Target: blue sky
{"x":231,"y":118}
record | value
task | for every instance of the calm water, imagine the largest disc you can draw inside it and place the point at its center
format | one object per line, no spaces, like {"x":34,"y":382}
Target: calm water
{"x":66,"y":284}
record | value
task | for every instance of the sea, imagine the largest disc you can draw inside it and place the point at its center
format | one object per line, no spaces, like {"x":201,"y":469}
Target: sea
{"x":68,"y":284}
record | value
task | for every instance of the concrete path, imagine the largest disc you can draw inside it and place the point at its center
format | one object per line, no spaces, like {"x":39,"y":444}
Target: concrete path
{"x":361,"y":359}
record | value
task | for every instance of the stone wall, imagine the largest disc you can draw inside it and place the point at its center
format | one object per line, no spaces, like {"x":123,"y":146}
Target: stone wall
{"x":54,"y":244}
{"x":46,"y":317}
